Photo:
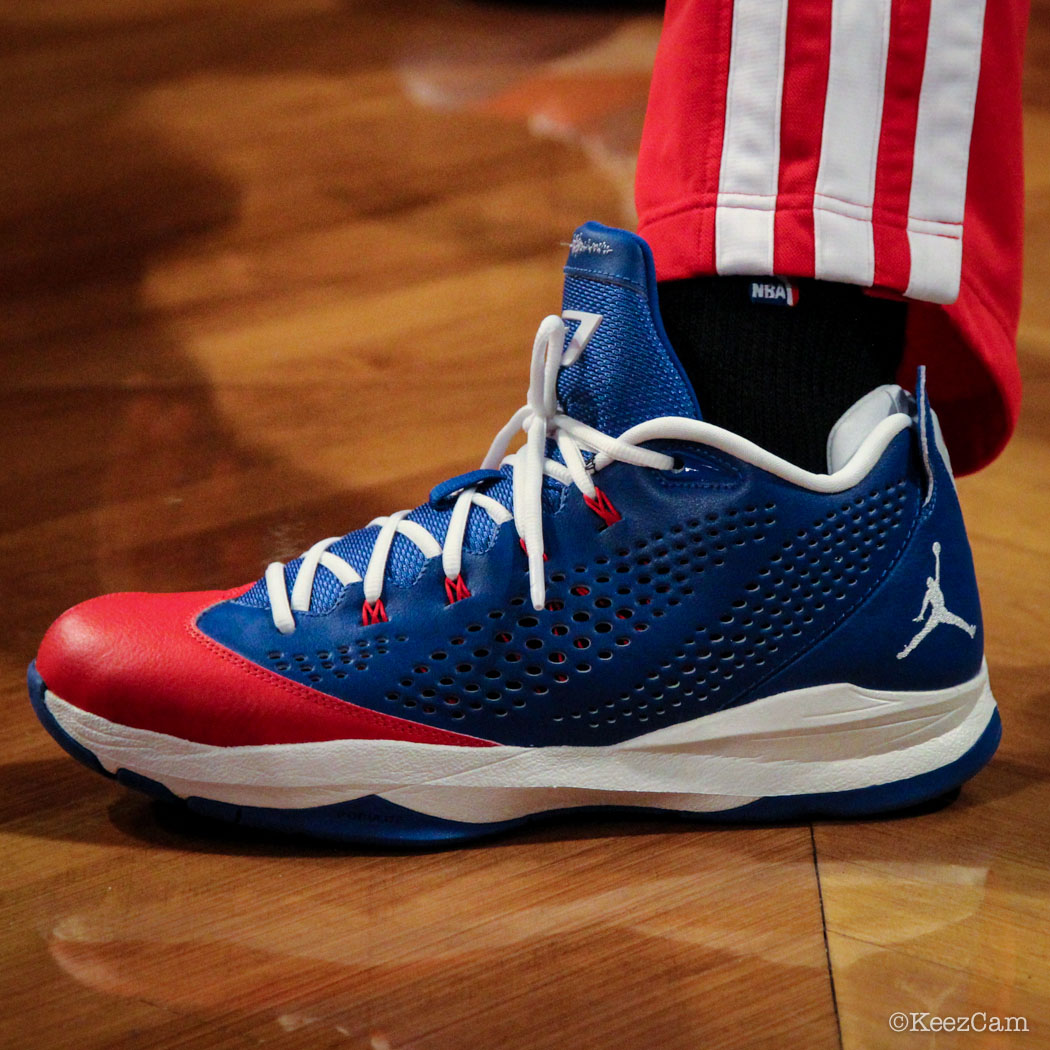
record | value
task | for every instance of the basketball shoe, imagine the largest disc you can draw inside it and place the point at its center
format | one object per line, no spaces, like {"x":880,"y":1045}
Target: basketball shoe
{"x":634,"y":609}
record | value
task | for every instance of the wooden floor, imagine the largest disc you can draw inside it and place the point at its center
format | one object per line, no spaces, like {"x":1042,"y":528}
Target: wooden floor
{"x":256,"y":258}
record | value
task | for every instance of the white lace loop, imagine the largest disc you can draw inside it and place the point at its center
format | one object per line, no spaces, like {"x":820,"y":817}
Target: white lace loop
{"x":541,"y":420}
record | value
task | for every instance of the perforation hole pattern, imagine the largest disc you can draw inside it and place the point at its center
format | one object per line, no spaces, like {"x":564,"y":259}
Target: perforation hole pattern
{"x":805,"y":583}
{"x":514,"y":659}
{"x":314,"y":666}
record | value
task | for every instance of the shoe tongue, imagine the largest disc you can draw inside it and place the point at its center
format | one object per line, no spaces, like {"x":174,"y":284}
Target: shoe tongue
{"x":627,"y":373}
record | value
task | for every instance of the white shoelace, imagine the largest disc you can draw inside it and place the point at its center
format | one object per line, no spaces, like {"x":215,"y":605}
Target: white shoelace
{"x":540,"y":418}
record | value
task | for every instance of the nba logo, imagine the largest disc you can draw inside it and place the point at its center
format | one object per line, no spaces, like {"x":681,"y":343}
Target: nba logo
{"x":774,"y":291}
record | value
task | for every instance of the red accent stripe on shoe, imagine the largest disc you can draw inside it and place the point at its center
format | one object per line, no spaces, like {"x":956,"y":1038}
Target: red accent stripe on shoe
{"x":456,"y":589}
{"x":602,"y":506}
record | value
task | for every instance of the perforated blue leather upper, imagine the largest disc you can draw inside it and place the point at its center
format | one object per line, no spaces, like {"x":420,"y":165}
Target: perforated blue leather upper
{"x":720,"y":583}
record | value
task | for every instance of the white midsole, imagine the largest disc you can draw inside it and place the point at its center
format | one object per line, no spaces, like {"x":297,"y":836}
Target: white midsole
{"x":822,"y":739}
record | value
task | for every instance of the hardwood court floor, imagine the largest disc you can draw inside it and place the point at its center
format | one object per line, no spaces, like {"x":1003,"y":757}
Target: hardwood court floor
{"x":269,"y":268}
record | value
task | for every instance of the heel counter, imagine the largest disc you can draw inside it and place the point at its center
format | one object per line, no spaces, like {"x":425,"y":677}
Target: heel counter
{"x":950,"y":597}
{"x":888,"y":641}
{"x":929,"y":604}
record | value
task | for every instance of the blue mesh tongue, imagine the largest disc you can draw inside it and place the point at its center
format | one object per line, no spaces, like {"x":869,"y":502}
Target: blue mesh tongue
{"x":628,"y":373}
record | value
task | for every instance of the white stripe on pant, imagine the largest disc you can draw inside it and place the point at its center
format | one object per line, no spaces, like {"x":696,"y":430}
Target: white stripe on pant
{"x":747,"y":184}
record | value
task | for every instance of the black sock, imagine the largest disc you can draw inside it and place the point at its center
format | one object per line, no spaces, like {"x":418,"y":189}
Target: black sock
{"x":781,"y":375}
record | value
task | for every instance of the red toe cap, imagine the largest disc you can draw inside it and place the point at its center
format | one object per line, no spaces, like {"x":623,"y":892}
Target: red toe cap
{"x":139,"y":660}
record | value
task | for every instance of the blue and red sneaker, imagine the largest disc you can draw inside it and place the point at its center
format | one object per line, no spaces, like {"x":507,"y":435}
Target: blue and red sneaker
{"x":635,"y":609}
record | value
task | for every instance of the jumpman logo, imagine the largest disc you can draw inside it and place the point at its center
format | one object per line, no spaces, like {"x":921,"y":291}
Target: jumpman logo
{"x":934,"y":602}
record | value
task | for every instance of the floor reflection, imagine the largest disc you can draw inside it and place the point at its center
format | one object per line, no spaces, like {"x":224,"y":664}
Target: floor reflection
{"x":481,"y":948}
{"x":575,"y":76}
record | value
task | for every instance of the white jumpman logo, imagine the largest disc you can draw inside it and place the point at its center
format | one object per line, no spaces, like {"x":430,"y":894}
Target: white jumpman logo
{"x":934,"y":601}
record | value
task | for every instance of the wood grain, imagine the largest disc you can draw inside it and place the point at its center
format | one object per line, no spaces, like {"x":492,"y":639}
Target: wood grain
{"x":268,"y":269}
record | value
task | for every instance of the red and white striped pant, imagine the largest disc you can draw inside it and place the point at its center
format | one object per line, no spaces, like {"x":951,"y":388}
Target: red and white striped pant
{"x":857,"y":141}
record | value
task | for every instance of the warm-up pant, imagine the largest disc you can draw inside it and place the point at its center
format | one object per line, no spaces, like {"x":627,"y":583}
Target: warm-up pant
{"x":876,"y":142}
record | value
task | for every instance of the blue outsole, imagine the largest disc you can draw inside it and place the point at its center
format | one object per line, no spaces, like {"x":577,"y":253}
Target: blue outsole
{"x":374,"y":821}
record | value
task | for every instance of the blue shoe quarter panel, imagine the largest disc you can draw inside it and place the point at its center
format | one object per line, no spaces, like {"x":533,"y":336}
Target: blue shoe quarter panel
{"x":872,"y":647}
{"x":720,"y":584}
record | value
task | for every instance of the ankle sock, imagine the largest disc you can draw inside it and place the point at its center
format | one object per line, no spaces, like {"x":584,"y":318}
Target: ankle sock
{"x":779,"y":374}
